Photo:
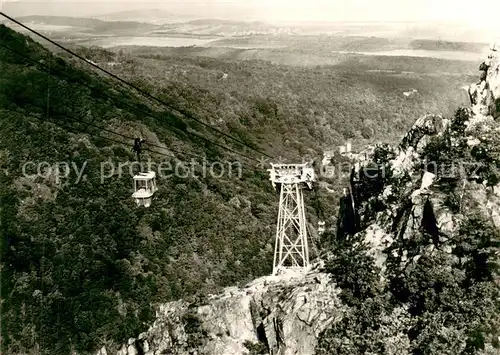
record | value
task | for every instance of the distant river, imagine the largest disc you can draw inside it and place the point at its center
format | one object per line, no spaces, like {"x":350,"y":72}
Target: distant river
{"x":450,"y":55}
{"x":149,"y":41}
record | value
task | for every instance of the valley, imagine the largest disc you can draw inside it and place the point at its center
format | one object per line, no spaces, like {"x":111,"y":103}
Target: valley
{"x":85,"y":269}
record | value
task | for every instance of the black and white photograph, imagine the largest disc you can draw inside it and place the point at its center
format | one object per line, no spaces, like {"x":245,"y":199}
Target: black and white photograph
{"x":249,"y":177}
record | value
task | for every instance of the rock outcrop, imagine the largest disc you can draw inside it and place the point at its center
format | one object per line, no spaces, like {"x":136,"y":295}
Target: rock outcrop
{"x":279,"y":315}
{"x":485,"y":95}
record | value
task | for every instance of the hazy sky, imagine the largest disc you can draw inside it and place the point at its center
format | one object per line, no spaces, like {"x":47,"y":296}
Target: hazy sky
{"x":480,"y":14}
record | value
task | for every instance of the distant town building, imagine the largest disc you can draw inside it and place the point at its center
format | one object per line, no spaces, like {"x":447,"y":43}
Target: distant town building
{"x":327,"y":157}
{"x":410,"y":93}
{"x":343,"y":149}
{"x":321,"y":227}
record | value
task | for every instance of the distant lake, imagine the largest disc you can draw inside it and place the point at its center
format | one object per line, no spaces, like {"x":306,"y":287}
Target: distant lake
{"x":148,"y":41}
{"x":44,"y":27}
{"x":241,"y":46}
{"x":449,"y":55}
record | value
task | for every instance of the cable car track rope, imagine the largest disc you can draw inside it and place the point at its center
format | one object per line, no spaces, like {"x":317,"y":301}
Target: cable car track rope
{"x":44,"y":68}
{"x":90,"y":124}
{"x":79,"y":130}
{"x":141,"y":91}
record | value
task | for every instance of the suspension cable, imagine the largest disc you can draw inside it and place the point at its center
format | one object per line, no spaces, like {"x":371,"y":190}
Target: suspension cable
{"x":46,"y":69}
{"x":141,"y":91}
{"x":79,"y":130}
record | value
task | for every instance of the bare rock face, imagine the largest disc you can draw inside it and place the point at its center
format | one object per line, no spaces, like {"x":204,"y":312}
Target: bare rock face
{"x":493,"y":78}
{"x":282,"y":315}
{"x":485,"y":95}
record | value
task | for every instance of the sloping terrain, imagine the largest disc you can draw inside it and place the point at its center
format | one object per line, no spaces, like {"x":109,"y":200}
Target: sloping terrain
{"x":156,"y":16}
{"x":426,"y":222}
{"x":81,"y":265}
{"x":412,"y":269}
{"x":91,"y":25}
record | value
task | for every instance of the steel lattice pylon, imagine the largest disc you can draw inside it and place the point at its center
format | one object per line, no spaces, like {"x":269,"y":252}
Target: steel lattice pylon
{"x":291,"y":247}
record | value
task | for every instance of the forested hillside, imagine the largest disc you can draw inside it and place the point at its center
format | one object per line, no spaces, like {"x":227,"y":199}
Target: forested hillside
{"x":81,"y":264}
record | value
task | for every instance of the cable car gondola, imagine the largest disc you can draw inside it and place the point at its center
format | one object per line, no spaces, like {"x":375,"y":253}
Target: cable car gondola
{"x":144,"y":182}
{"x":144,"y":188}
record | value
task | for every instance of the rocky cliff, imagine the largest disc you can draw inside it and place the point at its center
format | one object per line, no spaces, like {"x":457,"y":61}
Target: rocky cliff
{"x":277,"y":315}
{"x":428,"y":213}
{"x":443,"y":171}
{"x":406,"y":202}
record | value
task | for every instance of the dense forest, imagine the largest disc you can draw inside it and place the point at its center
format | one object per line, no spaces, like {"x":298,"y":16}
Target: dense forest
{"x":311,"y":108}
{"x":81,"y":265}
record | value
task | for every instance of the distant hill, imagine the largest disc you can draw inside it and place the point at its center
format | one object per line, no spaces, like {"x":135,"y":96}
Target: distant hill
{"x":444,"y":31}
{"x":147,"y":15}
{"x":61,"y":21}
{"x":90,"y":25}
{"x":440,"y":45}
{"x":132,"y":23}
{"x":93,"y":285}
{"x":228,"y":22}
{"x":218,"y":27}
